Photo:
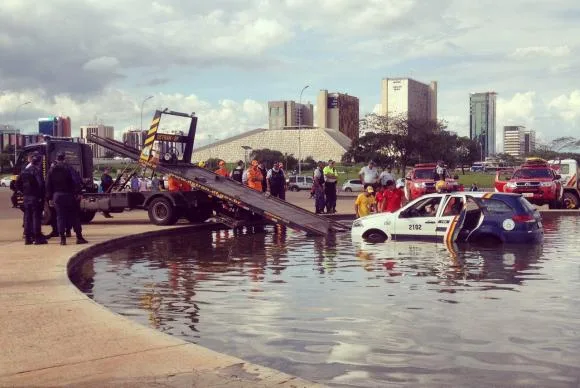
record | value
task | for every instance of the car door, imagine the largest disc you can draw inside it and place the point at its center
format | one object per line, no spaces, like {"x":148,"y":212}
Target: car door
{"x":419,"y":220}
{"x":464,"y":224}
{"x":451,"y":209}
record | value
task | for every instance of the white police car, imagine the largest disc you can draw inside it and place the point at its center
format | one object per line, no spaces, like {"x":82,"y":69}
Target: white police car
{"x":456,"y":217}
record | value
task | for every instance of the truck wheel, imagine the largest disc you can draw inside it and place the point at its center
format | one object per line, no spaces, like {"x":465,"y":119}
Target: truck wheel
{"x":570,"y":201}
{"x":162,"y":212}
{"x":87,"y":216}
{"x":198,"y":215}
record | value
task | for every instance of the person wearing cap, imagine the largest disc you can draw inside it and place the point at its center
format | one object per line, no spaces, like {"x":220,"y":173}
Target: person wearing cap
{"x":255,"y":176}
{"x":441,"y":186}
{"x":201,"y":164}
{"x":276,"y":181}
{"x":330,"y":178}
{"x":365,"y":203}
{"x":31,"y":184}
{"x":222,"y":170}
{"x":62,"y":192}
{"x":369,"y":175}
{"x":238,"y":172}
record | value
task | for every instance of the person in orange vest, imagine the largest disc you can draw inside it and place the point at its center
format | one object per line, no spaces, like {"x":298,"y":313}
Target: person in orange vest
{"x":223,"y":171}
{"x":176,"y":184}
{"x":255,"y":176}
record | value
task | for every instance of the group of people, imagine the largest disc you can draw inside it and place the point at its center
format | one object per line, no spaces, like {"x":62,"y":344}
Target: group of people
{"x":324,"y":187}
{"x":382,"y":192}
{"x":61,"y":189}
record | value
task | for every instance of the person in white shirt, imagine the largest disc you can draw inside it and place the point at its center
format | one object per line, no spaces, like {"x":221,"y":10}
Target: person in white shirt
{"x":369,"y":175}
{"x":386,"y":176}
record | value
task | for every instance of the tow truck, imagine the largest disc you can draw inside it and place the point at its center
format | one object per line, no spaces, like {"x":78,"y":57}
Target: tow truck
{"x":568,"y":171}
{"x":211,"y":196}
{"x":535,"y":179}
{"x":421,"y":181}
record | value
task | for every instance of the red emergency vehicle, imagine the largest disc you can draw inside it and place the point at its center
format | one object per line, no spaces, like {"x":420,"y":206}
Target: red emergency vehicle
{"x":421,"y":180}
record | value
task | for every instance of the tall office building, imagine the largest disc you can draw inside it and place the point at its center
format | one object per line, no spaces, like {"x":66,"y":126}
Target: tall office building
{"x":134,"y":138}
{"x":63,"y":126}
{"x":529,"y":141}
{"x":409,"y":98}
{"x":513,"y":140}
{"x":338,"y":111}
{"x":283,"y":114}
{"x":482,"y":121}
{"x":99,"y":130}
{"x":55,"y":126}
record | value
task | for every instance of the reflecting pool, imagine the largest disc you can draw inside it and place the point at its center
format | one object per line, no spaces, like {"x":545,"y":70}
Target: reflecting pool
{"x":393,"y":314}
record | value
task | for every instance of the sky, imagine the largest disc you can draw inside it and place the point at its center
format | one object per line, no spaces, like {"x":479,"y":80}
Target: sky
{"x":97,"y":60}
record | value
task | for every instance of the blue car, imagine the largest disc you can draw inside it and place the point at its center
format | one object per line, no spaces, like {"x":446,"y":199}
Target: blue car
{"x":455,"y":218}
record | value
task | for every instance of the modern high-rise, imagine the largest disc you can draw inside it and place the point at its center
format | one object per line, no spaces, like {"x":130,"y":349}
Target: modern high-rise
{"x":55,"y":126}
{"x":282,"y":114}
{"x":338,"y":111}
{"x":99,"y":130}
{"x":408,"y":98}
{"x":513,"y":140}
{"x":529,"y":141}
{"x":482,"y":121}
{"x":134,"y":138}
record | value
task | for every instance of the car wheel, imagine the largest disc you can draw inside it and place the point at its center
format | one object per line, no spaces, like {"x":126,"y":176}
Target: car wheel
{"x":3,"y":184}
{"x":295,"y":189}
{"x":162,"y":212}
{"x":570,"y":201}
{"x":375,"y":236}
{"x":348,"y":190}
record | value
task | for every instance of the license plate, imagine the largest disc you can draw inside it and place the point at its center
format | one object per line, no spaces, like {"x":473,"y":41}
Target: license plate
{"x":528,"y":195}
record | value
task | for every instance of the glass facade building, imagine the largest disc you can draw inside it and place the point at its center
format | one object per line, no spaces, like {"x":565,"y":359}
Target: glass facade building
{"x":482,"y":120}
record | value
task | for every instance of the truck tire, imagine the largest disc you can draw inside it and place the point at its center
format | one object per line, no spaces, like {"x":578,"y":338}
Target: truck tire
{"x":198,"y":215}
{"x":162,"y":212}
{"x":87,"y":216}
{"x":570,"y":201}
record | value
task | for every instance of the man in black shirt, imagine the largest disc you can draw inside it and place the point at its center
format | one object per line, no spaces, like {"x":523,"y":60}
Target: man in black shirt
{"x":31,"y":184}
{"x":238,"y":172}
{"x":106,"y":183}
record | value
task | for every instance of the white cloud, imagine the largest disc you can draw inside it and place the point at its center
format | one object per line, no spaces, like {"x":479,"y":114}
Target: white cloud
{"x":567,"y":106}
{"x":102,"y":64}
{"x":518,"y":110}
{"x":541,"y":51}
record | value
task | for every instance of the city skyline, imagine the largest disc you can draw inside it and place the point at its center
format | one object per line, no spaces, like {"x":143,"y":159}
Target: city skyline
{"x":245,"y":53}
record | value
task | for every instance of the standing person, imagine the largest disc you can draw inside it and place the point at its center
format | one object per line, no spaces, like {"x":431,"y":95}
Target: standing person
{"x":106,"y":184}
{"x":222,"y":170}
{"x":440,"y":171}
{"x":330,"y":178}
{"x":135,"y":184}
{"x":318,"y":188}
{"x":394,"y":200}
{"x":474,"y":187}
{"x":262,"y":168}
{"x":74,"y":219}
{"x":154,"y":183}
{"x":381,"y":198}
{"x":386,"y":176}
{"x":255,"y":177}
{"x":62,"y":194}
{"x":276,"y":181}
{"x":31,"y":184}
{"x":369,"y":175}
{"x":238,"y":172}
{"x":365,"y":203}
{"x":143,"y":184}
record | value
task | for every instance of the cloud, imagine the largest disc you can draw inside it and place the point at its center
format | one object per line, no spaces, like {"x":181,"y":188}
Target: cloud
{"x":567,"y":106}
{"x":517,"y":110}
{"x":540,"y":51}
{"x":102,"y":64}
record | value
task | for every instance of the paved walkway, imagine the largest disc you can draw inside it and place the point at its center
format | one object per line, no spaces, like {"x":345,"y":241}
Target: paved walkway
{"x":53,"y":335}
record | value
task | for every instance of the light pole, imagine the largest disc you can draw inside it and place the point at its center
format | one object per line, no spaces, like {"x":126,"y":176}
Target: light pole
{"x":246,"y":148}
{"x":143,"y":103}
{"x":299,"y":130}
{"x":15,"y":125}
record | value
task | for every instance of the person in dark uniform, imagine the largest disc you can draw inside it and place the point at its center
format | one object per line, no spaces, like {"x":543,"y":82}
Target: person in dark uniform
{"x":31,"y":184}
{"x":106,"y":183}
{"x":276,"y":181}
{"x":330,"y":178}
{"x":74,"y":221}
{"x":238,"y":172}
{"x":62,"y":192}
{"x":262,"y":169}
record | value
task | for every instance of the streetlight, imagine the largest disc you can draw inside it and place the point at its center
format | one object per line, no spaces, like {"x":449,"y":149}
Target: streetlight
{"x":299,"y":130}
{"x":246,"y":148}
{"x":15,"y":124}
{"x":146,"y":98}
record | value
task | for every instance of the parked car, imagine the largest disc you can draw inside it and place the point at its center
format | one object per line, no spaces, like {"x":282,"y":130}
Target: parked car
{"x":299,"y":182}
{"x":456,"y":218}
{"x":352,"y":185}
{"x":5,"y":182}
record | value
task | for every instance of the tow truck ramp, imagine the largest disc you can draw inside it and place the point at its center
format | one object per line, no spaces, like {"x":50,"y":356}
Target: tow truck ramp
{"x":225,"y":189}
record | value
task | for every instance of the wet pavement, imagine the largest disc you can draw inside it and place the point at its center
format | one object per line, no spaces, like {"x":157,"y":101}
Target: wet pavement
{"x":414,"y":314}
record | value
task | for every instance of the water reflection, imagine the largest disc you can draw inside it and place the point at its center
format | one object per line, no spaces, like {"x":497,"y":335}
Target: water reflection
{"x":359,"y":315}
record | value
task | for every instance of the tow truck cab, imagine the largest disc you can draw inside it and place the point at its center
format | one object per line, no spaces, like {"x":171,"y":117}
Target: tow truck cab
{"x":536,"y":180}
{"x":421,"y":181}
{"x":568,"y":171}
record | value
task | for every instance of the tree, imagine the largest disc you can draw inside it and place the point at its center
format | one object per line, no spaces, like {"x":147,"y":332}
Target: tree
{"x":467,"y":152}
{"x":269,"y":156}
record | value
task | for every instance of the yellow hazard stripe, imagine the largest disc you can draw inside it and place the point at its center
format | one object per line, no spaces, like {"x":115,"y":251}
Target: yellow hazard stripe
{"x":572,"y":181}
{"x":487,"y":195}
{"x":149,"y":140}
{"x":451,"y":230}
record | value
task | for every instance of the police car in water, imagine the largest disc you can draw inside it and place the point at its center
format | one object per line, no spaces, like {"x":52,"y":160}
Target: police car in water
{"x":456,"y":217}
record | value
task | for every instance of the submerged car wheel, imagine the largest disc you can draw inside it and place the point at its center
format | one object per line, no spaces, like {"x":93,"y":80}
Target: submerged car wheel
{"x":375,"y":236}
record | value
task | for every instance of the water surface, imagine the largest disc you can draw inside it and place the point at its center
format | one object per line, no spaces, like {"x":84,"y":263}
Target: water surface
{"x":394,"y":314}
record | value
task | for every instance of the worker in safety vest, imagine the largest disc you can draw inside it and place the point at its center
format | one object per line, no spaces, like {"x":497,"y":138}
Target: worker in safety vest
{"x":176,"y":184}
{"x":255,"y":176}
{"x":223,"y":171}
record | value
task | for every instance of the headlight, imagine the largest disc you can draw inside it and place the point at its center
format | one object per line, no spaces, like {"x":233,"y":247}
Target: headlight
{"x":419,"y":185}
{"x":357,"y":224}
{"x":547,"y":184}
{"x":511,"y":185}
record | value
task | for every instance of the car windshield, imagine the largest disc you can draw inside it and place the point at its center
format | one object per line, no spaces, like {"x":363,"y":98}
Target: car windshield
{"x":424,"y":174}
{"x":531,"y":173}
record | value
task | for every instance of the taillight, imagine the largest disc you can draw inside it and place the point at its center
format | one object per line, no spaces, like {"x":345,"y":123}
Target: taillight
{"x":523,"y":218}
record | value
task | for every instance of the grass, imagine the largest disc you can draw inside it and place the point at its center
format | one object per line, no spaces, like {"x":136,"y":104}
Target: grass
{"x":482,"y":180}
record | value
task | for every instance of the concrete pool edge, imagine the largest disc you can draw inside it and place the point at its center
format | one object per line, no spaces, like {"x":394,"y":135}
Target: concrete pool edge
{"x":53,"y":334}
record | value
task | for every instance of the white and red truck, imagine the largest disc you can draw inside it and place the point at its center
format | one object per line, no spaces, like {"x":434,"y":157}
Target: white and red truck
{"x":568,"y":171}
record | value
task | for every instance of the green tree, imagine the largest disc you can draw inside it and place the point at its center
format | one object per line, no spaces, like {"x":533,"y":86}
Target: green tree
{"x":269,"y":156}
